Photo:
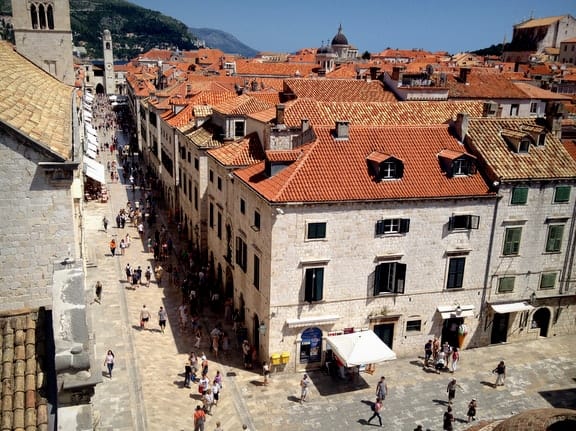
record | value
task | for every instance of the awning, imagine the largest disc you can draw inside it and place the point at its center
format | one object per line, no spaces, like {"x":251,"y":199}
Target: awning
{"x":313,"y":320}
{"x":93,"y":146}
{"x":511,"y":307}
{"x":91,"y":153}
{"x":360,"y":348}
{"x":452,"y":311}
{"x":94,"y":170}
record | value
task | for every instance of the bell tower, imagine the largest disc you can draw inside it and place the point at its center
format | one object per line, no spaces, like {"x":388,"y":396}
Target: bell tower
{"x":43,"y":35}
{"x":109,"y":80}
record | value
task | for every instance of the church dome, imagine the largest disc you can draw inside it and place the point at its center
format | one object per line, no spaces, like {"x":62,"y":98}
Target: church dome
{"x":340,"y":39}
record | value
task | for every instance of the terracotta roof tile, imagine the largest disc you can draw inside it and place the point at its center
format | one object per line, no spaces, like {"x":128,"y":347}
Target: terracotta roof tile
{"x":34,"y":102}
{"x":243,"y":152}
{"x":241,"y":105}
{"x":329,"y":170}
{"x":24,"y":368}
{"x":534,"y":92}
{"x":371,"y":114}
{"x":541,"y":162}
{"x":482,"y":85}
{"x":254,"y":68}
{"x":339,"y":90}
{"x":203,"y":137}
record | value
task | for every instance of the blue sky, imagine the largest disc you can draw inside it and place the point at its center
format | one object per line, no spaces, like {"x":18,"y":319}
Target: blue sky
{"x":370,"y":25}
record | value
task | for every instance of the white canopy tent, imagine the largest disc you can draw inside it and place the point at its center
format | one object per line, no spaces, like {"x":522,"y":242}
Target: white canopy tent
{"x":94,"y":170}
{"x":360,"y":348}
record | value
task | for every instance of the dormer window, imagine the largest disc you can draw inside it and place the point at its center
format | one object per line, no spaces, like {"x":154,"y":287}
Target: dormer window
{"x":520,"y":140}
{"x":457,"y":163}
{"x":523,"y":146}
{"x":384,"y":166}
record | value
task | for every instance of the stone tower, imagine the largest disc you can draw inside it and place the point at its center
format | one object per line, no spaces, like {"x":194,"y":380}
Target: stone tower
{"x":109,"y":81}
{"x":43,"y":34}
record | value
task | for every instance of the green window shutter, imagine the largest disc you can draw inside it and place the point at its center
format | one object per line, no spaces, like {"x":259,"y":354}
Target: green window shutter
{"x":519,"y":195}
{"x":512,"y":241}
{"x":562,"y":194}
{"x":554,"y":242}
{"x":506,"y":284}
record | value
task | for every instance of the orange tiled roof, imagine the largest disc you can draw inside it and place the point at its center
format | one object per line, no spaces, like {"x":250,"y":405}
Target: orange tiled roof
{"x":543,"y":162}
{"x":480,"y":85}
{"x":331,"y":171}
{"x":570,"y":146}
{"x":371,"y":114}
{"x":203,"y":137}
{"x":34,"y":102}
{"x":339,"y":90}
{"x":253,"y":68}
{"x":244,"y":152}
{"x":241,"y":105}
{"x":534,"y":92}
{"x":24,"y":371}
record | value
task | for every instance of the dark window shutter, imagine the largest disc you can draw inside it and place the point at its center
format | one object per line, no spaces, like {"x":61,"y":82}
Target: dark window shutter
{"x":380,"y":227}
{"x":309,"y":285}
{"x":377,"y":279}
{"x":399,"y":169}
{"x":451,"y":223}
{"x":473,"y":222}
{"x":472,"y":167}
{"x":400,"y":277}
{"x":318,"y":284}
{"x":404,"y":225}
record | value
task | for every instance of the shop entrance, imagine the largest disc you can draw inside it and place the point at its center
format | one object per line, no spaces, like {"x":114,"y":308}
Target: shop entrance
{"x":450,"y":330}
{"x":541,"y":319}
{"x":499,"y":328}
{"x":385,"y":332}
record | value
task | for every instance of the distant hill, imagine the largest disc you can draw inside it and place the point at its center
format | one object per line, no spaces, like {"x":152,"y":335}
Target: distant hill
{"x":223,"y":41}
{"x":136,"y":29}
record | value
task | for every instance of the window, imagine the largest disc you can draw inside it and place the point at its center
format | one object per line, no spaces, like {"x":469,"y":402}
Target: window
{"x":256,"y":272}
{"x":219,"y":183}
{"x":548,"y":280}
{"x":462,"y":166}
{"x":541,"y":139}
{"x":512,"y":241}
{"x":414,"y":326}
{"x":393,"y":225}
{"x":514,"y":107}
{"x":314,"y":284}
{"x":524,"y":146}
{"x":211,"y":215}
{"x":256,"y":225}
{"x":196,"y":163}
{"x":389,"y":278}
{"x":456,"y":273}
{"x":241,"y":253}
{"x":506,"y":284}
{"x":463,"y":222}
{"x":219,"y":225}
{"x":388,"y":170}
{"x":242,"y":206}
{"x":316,"y":230}
{"x":196,"y":198}
{"x":519,"y":196}
{"x":554,"y":240}
{"x":211,"y":176}
{"x":561,"y":194}
{"x":533,"y":107}
{"x":238,"y":129}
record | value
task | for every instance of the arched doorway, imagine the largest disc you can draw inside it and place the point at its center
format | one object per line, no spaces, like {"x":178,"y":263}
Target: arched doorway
{"x":541,"y":319}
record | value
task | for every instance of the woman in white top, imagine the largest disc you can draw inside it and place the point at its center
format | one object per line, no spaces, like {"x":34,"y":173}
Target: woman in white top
{"x":109,"y":362}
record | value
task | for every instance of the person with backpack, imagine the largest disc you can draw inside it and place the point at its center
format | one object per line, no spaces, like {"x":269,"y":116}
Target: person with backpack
{"x":376,"y":408}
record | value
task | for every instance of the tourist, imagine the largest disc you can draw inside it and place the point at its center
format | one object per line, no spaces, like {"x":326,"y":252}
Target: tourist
{"x":109,"y":362}
{"x":500,"y":370}
{"x":162,"y":317}
{"x":144,"y":317}
{"x":98,"y":289}
{"x":472,"y":405}
{"x":376,"y":408}
{"x":304,"y":387}
{"x":381,"y":389}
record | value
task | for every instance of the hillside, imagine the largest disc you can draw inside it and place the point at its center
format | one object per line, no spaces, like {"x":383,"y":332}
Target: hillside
{"x":136,"y":29}
{"x":223,"y":41}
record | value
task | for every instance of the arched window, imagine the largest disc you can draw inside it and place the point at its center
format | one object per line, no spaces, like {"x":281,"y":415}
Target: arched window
{"x":107,"y":45}
{"x":34,"y":16}
{"x":42,"y":13}
{"x":50,"y":17}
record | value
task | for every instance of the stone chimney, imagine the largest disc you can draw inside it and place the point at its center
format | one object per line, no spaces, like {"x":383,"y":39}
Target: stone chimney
{"x":461,"y":126}
{"x":374,"y":72}
{"x":280,"y":114}
{"x":464,"y":72}
{"x":304,"y":124}
{"x":396,"y":72}
{"x":342,"y":130}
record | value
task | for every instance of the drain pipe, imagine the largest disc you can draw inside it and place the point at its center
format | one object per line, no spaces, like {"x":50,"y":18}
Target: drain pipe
{"x":486,"y":285}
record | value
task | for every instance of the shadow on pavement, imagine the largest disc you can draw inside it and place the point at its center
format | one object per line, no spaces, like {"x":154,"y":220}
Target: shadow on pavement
{"x":328,"y":385}
{"x":561,"y":398}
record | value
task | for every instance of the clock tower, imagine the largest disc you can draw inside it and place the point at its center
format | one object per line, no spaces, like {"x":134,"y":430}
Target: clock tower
{"x":109,"y":80}
{"x":43,"y":35}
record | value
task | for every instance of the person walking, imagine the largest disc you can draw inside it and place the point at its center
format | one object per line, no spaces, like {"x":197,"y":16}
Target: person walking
{"x":451,"y":389}
{"x":381,"y":389}
{"x":148,"y":275}
{"x":187,"y":373}
{"x":500,"y":370}
{"x":162,"y":317}
{"x":427,"y":353}
{"x":266,"y":372}
{"x":109,"y":362}
{"x":199,"y":418}
{"x":105,"y":223}
{"x":98,"y":291}
{"x":472,"y":405}
{"x":144,"y":317}
{"x":376,"y":408}
{"x":113,"y":247}
{"x":304,"y":387}
{"x":455,"y":359}
{"x":448,"y":420}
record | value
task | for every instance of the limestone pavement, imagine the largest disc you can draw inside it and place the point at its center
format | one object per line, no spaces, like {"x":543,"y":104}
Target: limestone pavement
{"x":146,"y":391}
